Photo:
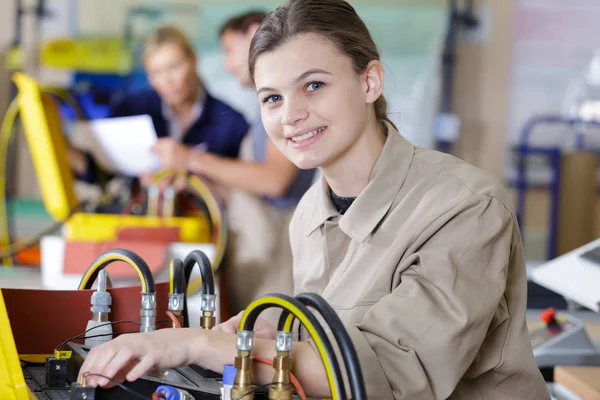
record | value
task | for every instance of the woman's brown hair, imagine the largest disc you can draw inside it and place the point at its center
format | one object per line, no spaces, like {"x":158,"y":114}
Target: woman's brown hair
{"x":335,"y":20}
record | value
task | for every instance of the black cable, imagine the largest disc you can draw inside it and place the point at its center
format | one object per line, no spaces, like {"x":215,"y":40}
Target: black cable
{"x":254,"y":389}
{"x":95,"y":327}
{"x":137,"y":260}
{"x":197,"y":257}
{"x":347,"y":349}
{"x":177,"y":276}
{"x":119,"y":384}
{"x":335,"y":366}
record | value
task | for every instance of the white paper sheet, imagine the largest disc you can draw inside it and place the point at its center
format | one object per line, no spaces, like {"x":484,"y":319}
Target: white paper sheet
{"x":127,"y":143}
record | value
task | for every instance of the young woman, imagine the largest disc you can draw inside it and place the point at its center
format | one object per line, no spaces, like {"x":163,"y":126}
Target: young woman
{"x":185,"y":116}
{"x":416,"y":250}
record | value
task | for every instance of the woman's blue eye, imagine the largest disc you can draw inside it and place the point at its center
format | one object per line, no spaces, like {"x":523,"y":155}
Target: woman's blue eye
{"x":314,"y":86}
{"x":272,"y":99}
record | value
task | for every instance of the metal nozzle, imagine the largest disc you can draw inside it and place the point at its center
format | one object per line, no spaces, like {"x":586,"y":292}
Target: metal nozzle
{"x":176,"y":302}
{"x":283,"y":341}
{"x":281,"y":389}
{"x":153,"y":195}
{"x":176,"y":307}
{"x":244,"y":340}
{"x":148,"y":312}
{"x":243,"y":381}
{"x":207,"y":320}
{"x":168,"y":202}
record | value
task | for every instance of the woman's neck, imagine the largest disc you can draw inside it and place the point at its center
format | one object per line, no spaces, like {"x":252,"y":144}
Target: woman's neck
{"x":348,"y":175}
{"x":183,"y":109}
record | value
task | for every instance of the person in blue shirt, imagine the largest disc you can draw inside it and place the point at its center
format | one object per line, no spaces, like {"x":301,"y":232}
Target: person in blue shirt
{"x":265,"y":188}
{"x":186,"y":117}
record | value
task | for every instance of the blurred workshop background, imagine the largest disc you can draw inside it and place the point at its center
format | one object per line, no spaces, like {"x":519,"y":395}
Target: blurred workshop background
{"x":511,"y":86}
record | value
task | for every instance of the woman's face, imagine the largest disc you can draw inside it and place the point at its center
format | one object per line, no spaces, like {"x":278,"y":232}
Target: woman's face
{"x":315,"y":106}
{"x":172,"y":73}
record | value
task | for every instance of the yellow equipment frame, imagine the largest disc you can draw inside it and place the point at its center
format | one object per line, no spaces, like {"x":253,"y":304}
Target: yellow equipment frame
{"x":12,"y":380}
{"x":48,"y":149}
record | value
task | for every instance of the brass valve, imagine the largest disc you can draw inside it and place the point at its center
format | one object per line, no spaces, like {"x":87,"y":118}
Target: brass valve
{"x":243,"y":380}
{"x":179,"y":317}
{"x":281,"y":388}
{"x":207,"y":320}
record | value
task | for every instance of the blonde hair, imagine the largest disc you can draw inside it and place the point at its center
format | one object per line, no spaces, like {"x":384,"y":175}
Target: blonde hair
{"x":168,"y":35}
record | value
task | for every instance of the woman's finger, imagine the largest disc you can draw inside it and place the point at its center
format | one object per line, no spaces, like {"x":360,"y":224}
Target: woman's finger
{"x":145,"y":364}
{"x":97,"y":361}
{"x":122,"y":359}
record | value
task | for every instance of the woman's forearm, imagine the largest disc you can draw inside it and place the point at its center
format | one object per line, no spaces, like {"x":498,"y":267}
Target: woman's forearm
{"x":259,"y":179}
{"x":219,"y":349}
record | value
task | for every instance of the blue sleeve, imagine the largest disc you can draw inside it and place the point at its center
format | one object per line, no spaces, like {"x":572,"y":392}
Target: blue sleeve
{"x":239,"y":129}
{"x":121,"y":108}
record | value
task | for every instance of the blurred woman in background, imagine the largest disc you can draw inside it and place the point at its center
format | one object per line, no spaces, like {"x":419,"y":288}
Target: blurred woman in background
{"x":187,"y":119}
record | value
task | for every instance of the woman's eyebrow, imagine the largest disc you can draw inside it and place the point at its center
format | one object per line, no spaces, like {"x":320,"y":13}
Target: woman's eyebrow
{"x":311,"y":72}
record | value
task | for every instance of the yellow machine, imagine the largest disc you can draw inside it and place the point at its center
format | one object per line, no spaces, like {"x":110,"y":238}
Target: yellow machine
{"x":48,"y":148}
{"x":12,"y":381}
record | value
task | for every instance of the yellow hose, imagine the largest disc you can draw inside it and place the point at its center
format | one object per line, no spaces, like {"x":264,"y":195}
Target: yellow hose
{"x":216,"y":215}
{"x":295,"y":312}
{"x":6,"y":132}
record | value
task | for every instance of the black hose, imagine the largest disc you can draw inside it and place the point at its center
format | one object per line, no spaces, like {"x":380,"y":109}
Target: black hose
{"x":176,"y":276}
{"x":255,"y":312}
{"x":206,"y":271}
{"x":117,"y":253}
{"x":351,"y":361}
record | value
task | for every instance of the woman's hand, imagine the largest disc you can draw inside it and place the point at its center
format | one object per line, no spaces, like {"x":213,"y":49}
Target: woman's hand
{"x":262,"y":328}
{"x":130,"y":356}
{"x":172,"y":154}
{"x":179,"y":182}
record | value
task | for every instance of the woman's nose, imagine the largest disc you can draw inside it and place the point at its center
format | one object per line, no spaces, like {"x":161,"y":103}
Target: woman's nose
{"x":293,"y":113}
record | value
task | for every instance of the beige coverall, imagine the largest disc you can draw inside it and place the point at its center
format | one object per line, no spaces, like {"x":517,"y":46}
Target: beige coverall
{"x":258,"y":258}
{"x":426,"y":270}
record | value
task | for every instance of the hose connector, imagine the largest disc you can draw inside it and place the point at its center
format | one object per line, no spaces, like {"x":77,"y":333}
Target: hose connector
{"x":168,"y":202}
{"x":148,"y":312}
{"x":242,"y":385}
{"x":99,"y":327}
{"x":176,"y":302}
{"x":280,"y":388}
{"x":244,"y":341}
{"x":283,"y":341}
{"x":153,"y":200}
{"x":208,"y":307}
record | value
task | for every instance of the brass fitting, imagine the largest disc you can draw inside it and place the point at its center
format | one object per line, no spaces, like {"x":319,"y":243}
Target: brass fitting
{"x":179,"y":317}
{"x":208,"y":307}
{"x":207,"y":320}
{"x":281,"y":388}
{"x":243,"y":380}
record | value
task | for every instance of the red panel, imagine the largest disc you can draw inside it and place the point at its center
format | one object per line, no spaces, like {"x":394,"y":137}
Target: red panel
{"x":42,"y":319}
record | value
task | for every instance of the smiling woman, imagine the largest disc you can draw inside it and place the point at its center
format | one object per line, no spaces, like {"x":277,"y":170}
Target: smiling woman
{"x":417,"y":251}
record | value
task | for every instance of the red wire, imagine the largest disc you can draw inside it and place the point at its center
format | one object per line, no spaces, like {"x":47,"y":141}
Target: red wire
{"x":263,"y":360}
{"x":294,"y":380}
{"x":173,"y":318}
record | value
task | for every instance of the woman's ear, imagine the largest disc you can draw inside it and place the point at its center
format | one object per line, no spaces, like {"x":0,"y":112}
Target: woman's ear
{"x":373,"y":77}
